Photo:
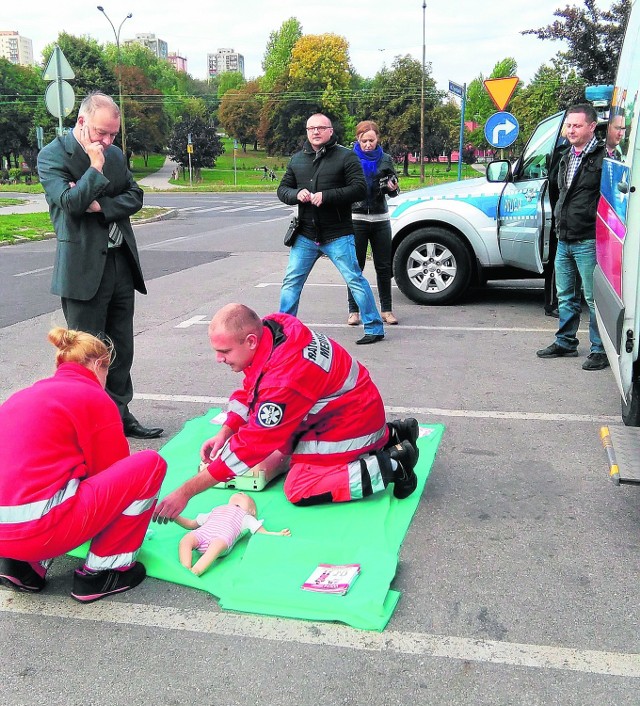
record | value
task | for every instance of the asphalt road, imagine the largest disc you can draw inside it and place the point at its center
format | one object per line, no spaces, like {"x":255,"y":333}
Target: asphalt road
{"x":519,"y":574}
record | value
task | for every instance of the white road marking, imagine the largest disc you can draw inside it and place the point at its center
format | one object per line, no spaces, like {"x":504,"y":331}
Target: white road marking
{"x":160,"y":243}
{"x":271,"y":208}
{"x":240,"y":208}
{"x":203,"y":320}
{"x":193,"y":321}
{"x":421,"y":411}
{"x":213,"y":622}
{"x":33,"y":272}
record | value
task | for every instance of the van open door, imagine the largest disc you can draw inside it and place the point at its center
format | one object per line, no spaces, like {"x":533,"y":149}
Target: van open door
{"x":524,"y":210}
{"x":616,"y":279}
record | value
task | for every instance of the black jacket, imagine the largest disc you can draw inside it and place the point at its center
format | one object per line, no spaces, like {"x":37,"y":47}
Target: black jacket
{"x":375,"y":201}
{"x":336,"y":172}
{"x":575,"y":210}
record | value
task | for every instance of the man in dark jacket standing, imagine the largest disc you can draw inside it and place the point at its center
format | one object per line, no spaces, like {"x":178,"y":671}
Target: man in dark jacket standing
{"x":323,"y":179}
{"x":575,"y":218}
{"x":92,"y":195}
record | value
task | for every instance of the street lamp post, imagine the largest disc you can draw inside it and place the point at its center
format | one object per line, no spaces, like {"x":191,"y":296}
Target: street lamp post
{"x":424,"y":8}
{"x":117,"y":36}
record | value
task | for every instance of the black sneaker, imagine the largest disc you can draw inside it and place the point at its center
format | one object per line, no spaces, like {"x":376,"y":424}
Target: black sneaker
{"x":89,"y":586}
{"x":556,"y":351}
{"x":405,"y":480}
{"x":369,"y":338}
{"x":596,"y":361}
{"x":20,"y":575}
{"x":404,"y":430}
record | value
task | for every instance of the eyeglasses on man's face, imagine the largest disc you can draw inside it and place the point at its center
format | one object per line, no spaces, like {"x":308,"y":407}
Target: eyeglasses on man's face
{"x":319,"y":128}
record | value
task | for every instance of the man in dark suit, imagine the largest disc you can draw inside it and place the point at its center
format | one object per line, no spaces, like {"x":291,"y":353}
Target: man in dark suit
{"x":92,"y":195}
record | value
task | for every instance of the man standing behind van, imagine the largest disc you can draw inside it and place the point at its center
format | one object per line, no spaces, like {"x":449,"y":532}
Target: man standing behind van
{"x":575,"y":218}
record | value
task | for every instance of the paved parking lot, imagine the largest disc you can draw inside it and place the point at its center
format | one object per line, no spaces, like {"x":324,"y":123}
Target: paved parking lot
{"x":518,"y":575}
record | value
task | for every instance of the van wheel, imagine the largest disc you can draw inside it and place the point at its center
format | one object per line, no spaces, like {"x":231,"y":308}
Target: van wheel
{"x":432,"y":266}
{"x":631,"y":411}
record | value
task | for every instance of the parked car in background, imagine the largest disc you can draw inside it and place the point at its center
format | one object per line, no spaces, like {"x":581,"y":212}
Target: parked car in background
{"x":447,"y":238}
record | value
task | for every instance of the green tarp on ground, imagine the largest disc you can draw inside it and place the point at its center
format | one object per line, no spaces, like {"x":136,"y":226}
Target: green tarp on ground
{"x":263,"y":574}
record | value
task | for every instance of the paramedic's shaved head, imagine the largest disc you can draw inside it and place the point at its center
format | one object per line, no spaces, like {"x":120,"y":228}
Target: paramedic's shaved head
{"x":237,"y":320}
{"x":235,"y":332}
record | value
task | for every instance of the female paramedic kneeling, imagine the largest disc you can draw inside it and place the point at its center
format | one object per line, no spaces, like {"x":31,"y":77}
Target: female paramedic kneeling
{"x":67,"y":476}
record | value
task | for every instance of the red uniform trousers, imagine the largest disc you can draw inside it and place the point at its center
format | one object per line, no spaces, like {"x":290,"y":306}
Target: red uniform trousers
{"x":113,"y":508}
{"x":330,"y":480}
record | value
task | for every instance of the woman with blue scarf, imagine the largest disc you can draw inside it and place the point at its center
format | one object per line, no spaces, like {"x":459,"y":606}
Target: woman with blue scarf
{"x":371,"y":216}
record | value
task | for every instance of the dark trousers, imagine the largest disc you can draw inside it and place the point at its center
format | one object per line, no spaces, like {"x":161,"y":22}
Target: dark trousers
{"x":379,"y":235}
{"x":110,"y":314}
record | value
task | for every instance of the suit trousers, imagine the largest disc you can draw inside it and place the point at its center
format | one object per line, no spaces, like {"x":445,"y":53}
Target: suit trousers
{"x":110,"y":314}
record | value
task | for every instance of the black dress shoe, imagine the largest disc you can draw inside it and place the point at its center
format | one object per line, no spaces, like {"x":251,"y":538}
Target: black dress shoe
{"x":134,"y":429}
{"x":369,"y":338}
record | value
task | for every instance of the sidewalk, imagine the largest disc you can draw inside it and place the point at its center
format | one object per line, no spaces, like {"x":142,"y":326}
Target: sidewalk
{"x":160,"y":179}
{"x":33,"y":203}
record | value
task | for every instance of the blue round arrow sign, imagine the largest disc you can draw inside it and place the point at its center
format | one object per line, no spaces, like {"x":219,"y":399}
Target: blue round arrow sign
{"x":501,"y":129}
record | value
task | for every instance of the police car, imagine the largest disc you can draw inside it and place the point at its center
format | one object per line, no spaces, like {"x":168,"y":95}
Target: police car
{"x":447,"y":238}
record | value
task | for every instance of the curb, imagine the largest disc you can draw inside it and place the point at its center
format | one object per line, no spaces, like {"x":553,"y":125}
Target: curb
{"x":173,"y":213}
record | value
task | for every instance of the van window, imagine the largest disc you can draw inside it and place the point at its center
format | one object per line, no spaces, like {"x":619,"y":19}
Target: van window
{"x":536,"y":158}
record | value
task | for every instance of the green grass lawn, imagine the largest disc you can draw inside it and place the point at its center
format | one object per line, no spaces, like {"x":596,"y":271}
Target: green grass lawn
{"x":36,"y":226}
{"x":247,"y":174}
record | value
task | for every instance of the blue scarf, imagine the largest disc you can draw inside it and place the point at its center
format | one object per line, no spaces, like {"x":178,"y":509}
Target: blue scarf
{"x":370,"y":162}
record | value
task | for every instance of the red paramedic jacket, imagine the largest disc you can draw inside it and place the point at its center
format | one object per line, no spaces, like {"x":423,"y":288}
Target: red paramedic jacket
{"x":303,"y":395}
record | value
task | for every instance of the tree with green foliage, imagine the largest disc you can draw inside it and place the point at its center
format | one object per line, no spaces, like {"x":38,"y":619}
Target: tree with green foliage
{"x":239,"y":114}
{"x":229,"y":80}
{"x":553,"y":88}
{"x":283,"y":121}
{"x":147,"y":123}
{"x":277,"y":55}
{"x":393,"y":101}
{"x":22,"y":89}
{"x":206,"y":143}
{"x":318,"y":81}
{"x":93,"y":71}
{"x":594,"y":38}
{"x":442,"y":131}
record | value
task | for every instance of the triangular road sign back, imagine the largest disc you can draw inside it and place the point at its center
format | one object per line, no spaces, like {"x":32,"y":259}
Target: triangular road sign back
{"x":58,"y":67}
{"x":501,"y":90}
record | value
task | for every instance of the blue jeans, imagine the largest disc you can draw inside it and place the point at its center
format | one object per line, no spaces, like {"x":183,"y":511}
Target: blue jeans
{"x":342,"y":253}
{"x":576,"y":258}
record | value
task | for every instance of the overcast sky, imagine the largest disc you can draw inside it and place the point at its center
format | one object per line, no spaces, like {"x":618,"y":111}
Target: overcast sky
{"x":463,"y":37}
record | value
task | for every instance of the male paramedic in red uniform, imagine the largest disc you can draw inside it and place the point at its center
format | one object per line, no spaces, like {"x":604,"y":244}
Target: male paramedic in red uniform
{"x":303,"y":395}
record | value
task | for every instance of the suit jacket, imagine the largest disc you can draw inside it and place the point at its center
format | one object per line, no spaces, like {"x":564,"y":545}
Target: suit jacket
{"x":83,"y":237}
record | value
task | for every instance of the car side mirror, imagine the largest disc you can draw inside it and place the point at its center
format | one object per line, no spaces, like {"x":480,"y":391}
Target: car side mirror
{"x":498,"y":171}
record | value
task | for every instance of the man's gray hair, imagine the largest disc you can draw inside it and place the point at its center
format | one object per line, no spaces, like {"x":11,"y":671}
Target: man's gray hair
{"x":96,"y":100}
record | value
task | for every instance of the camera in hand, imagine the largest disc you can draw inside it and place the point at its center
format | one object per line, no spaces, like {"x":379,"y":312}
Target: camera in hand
{"x":382,"y":184}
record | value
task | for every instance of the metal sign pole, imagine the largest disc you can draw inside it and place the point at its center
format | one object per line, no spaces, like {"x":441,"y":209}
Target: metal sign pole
{"x":57,"y":51}
{"x":461,"y":143}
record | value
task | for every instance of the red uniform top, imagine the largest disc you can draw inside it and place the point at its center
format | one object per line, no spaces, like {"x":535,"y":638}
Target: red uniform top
{"x":52,"y":434}
{"x":303,"y":395}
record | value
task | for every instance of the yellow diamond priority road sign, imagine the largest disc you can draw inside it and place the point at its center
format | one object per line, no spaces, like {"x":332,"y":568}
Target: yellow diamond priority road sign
{"x":501,"y":90}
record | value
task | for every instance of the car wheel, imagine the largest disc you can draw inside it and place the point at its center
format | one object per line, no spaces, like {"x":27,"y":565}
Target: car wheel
{"x":631,"y":410}
{"x":432,"y":266}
